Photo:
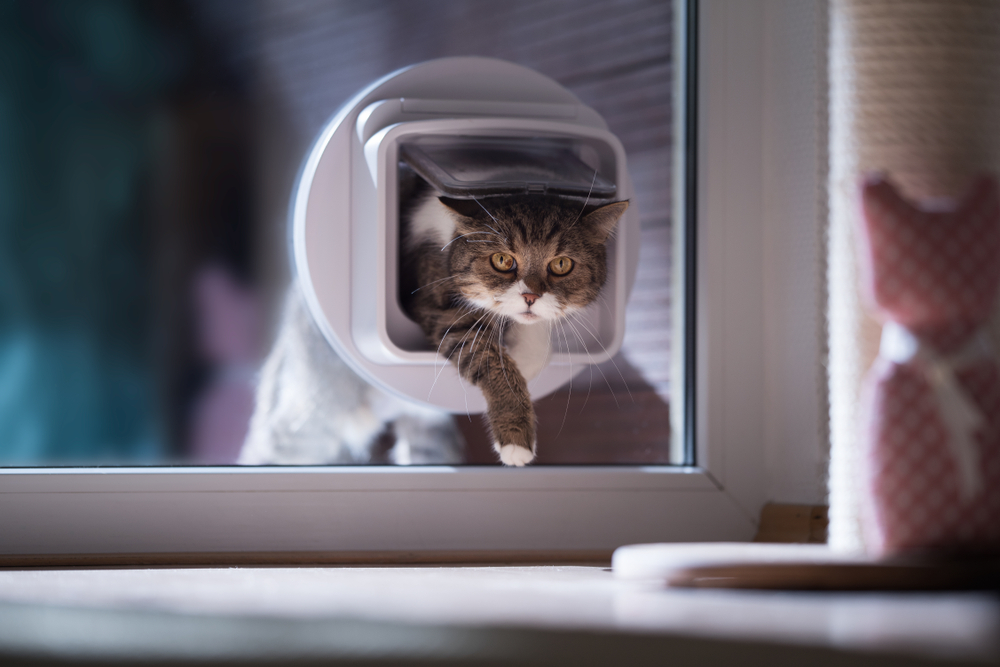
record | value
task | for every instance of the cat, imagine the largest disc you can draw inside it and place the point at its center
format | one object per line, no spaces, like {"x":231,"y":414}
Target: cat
{"x":485,"y":285}
{"x":485,"y":280}
{"x":312,"y":409}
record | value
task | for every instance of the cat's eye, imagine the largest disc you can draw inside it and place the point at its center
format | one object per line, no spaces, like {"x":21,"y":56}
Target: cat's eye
{"x":560,"y":266}
{"x":503,"y":262}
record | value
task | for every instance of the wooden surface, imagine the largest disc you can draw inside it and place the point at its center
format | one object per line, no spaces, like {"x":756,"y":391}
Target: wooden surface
{"x":800,"y":567}
{"x":956,"y":576}
{"x":803,"y":524}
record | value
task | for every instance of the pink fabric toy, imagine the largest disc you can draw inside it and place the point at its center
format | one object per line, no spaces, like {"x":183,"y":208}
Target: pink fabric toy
{"x":933,"y":450}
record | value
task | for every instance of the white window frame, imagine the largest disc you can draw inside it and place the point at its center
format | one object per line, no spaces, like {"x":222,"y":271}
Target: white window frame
{"x":380,"y":509}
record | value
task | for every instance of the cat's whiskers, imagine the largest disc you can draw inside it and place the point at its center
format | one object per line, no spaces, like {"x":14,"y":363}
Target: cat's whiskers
{"x":486,"y":324}
{"x":462,"y":236}
{"x":434,"y":282}
{"x":505,"y":239}
{"x":485,"y":209}
{"x":610,"y":358}
{"x":461,"y":381}
{"x":464,"y":338}
{"x":479,"y":330}
{"x":592,"y":363}
{"x":569,"y":394}
{"x":480,"y":357}
{"x":444,"y":337}
{"x":590,"y":385}
{"x":466,"y":309}
{"x":585,"y":202}
{"x":527,"y":402}
{"x":440,"y":370}
{"x":465,"y":391}
{"x":493,"y":229}
{"x":604,"y":302}
{"x":503,"y":369}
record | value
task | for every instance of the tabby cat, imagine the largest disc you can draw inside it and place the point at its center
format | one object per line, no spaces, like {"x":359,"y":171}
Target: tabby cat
{"x":485,"y":279}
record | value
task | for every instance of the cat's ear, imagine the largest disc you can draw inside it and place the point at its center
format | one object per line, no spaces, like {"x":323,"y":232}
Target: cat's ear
{"x":604,"y":218}
{"x":467,"y":208}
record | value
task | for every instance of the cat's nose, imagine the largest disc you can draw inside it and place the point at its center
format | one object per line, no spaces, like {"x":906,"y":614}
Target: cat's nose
{"x":530,"y":298}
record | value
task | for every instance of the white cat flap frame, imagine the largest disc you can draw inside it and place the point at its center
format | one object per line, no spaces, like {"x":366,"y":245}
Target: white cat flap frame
{"x":345,"y":226}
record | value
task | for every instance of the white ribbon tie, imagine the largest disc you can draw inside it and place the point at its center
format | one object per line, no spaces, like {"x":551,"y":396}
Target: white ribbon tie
{"x":961,"y":416}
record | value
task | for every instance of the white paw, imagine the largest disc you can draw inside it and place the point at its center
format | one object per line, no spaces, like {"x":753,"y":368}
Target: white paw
{"x":513,"y":455}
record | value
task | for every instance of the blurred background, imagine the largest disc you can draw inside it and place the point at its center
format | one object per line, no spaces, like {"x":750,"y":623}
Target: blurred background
{"x":148,"y":149}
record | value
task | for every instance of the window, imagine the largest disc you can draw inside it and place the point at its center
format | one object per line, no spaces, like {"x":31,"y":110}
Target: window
{"x":211,"y":108}
{"x":112,"y":510}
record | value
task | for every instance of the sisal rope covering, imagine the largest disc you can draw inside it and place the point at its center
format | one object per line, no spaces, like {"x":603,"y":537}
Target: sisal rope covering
{"x":914,"y":93}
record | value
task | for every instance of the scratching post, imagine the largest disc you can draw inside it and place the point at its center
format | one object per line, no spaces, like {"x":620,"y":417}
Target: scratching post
{"x":913,"y":93}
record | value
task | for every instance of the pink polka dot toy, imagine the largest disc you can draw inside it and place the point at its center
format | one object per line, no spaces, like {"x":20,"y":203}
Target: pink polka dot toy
{"x":932,"y":399}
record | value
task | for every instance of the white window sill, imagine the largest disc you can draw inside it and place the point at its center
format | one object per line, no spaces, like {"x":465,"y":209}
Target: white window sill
{"x":471,"y":613}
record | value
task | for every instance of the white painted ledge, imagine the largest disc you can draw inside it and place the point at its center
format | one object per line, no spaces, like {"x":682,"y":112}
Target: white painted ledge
{"x":516,"y":615}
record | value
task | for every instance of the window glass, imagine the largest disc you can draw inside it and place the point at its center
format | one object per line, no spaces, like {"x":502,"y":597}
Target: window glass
{"x":147,"y":154}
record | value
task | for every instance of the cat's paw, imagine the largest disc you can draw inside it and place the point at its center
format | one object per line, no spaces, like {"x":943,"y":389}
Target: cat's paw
{"x":513,"y":455}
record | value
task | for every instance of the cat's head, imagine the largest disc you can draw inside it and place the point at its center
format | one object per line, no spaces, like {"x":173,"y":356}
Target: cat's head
{"x":530,"y":258}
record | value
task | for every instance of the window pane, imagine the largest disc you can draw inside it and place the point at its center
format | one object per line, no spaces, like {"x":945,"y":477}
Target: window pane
{"x":148,"y":151}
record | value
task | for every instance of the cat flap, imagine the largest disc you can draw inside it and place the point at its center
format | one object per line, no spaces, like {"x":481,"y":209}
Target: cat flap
{"x":467,"y":167}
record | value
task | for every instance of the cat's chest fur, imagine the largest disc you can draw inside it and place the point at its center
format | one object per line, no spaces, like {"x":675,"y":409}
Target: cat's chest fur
{"x":529,"y":345}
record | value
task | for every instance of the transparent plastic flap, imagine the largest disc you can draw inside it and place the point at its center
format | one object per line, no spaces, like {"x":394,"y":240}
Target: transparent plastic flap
{"x":467,"y":167}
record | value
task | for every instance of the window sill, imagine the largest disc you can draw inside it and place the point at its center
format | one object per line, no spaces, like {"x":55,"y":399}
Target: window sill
{"x":349,"y":510}
{"x":472,"y":615}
